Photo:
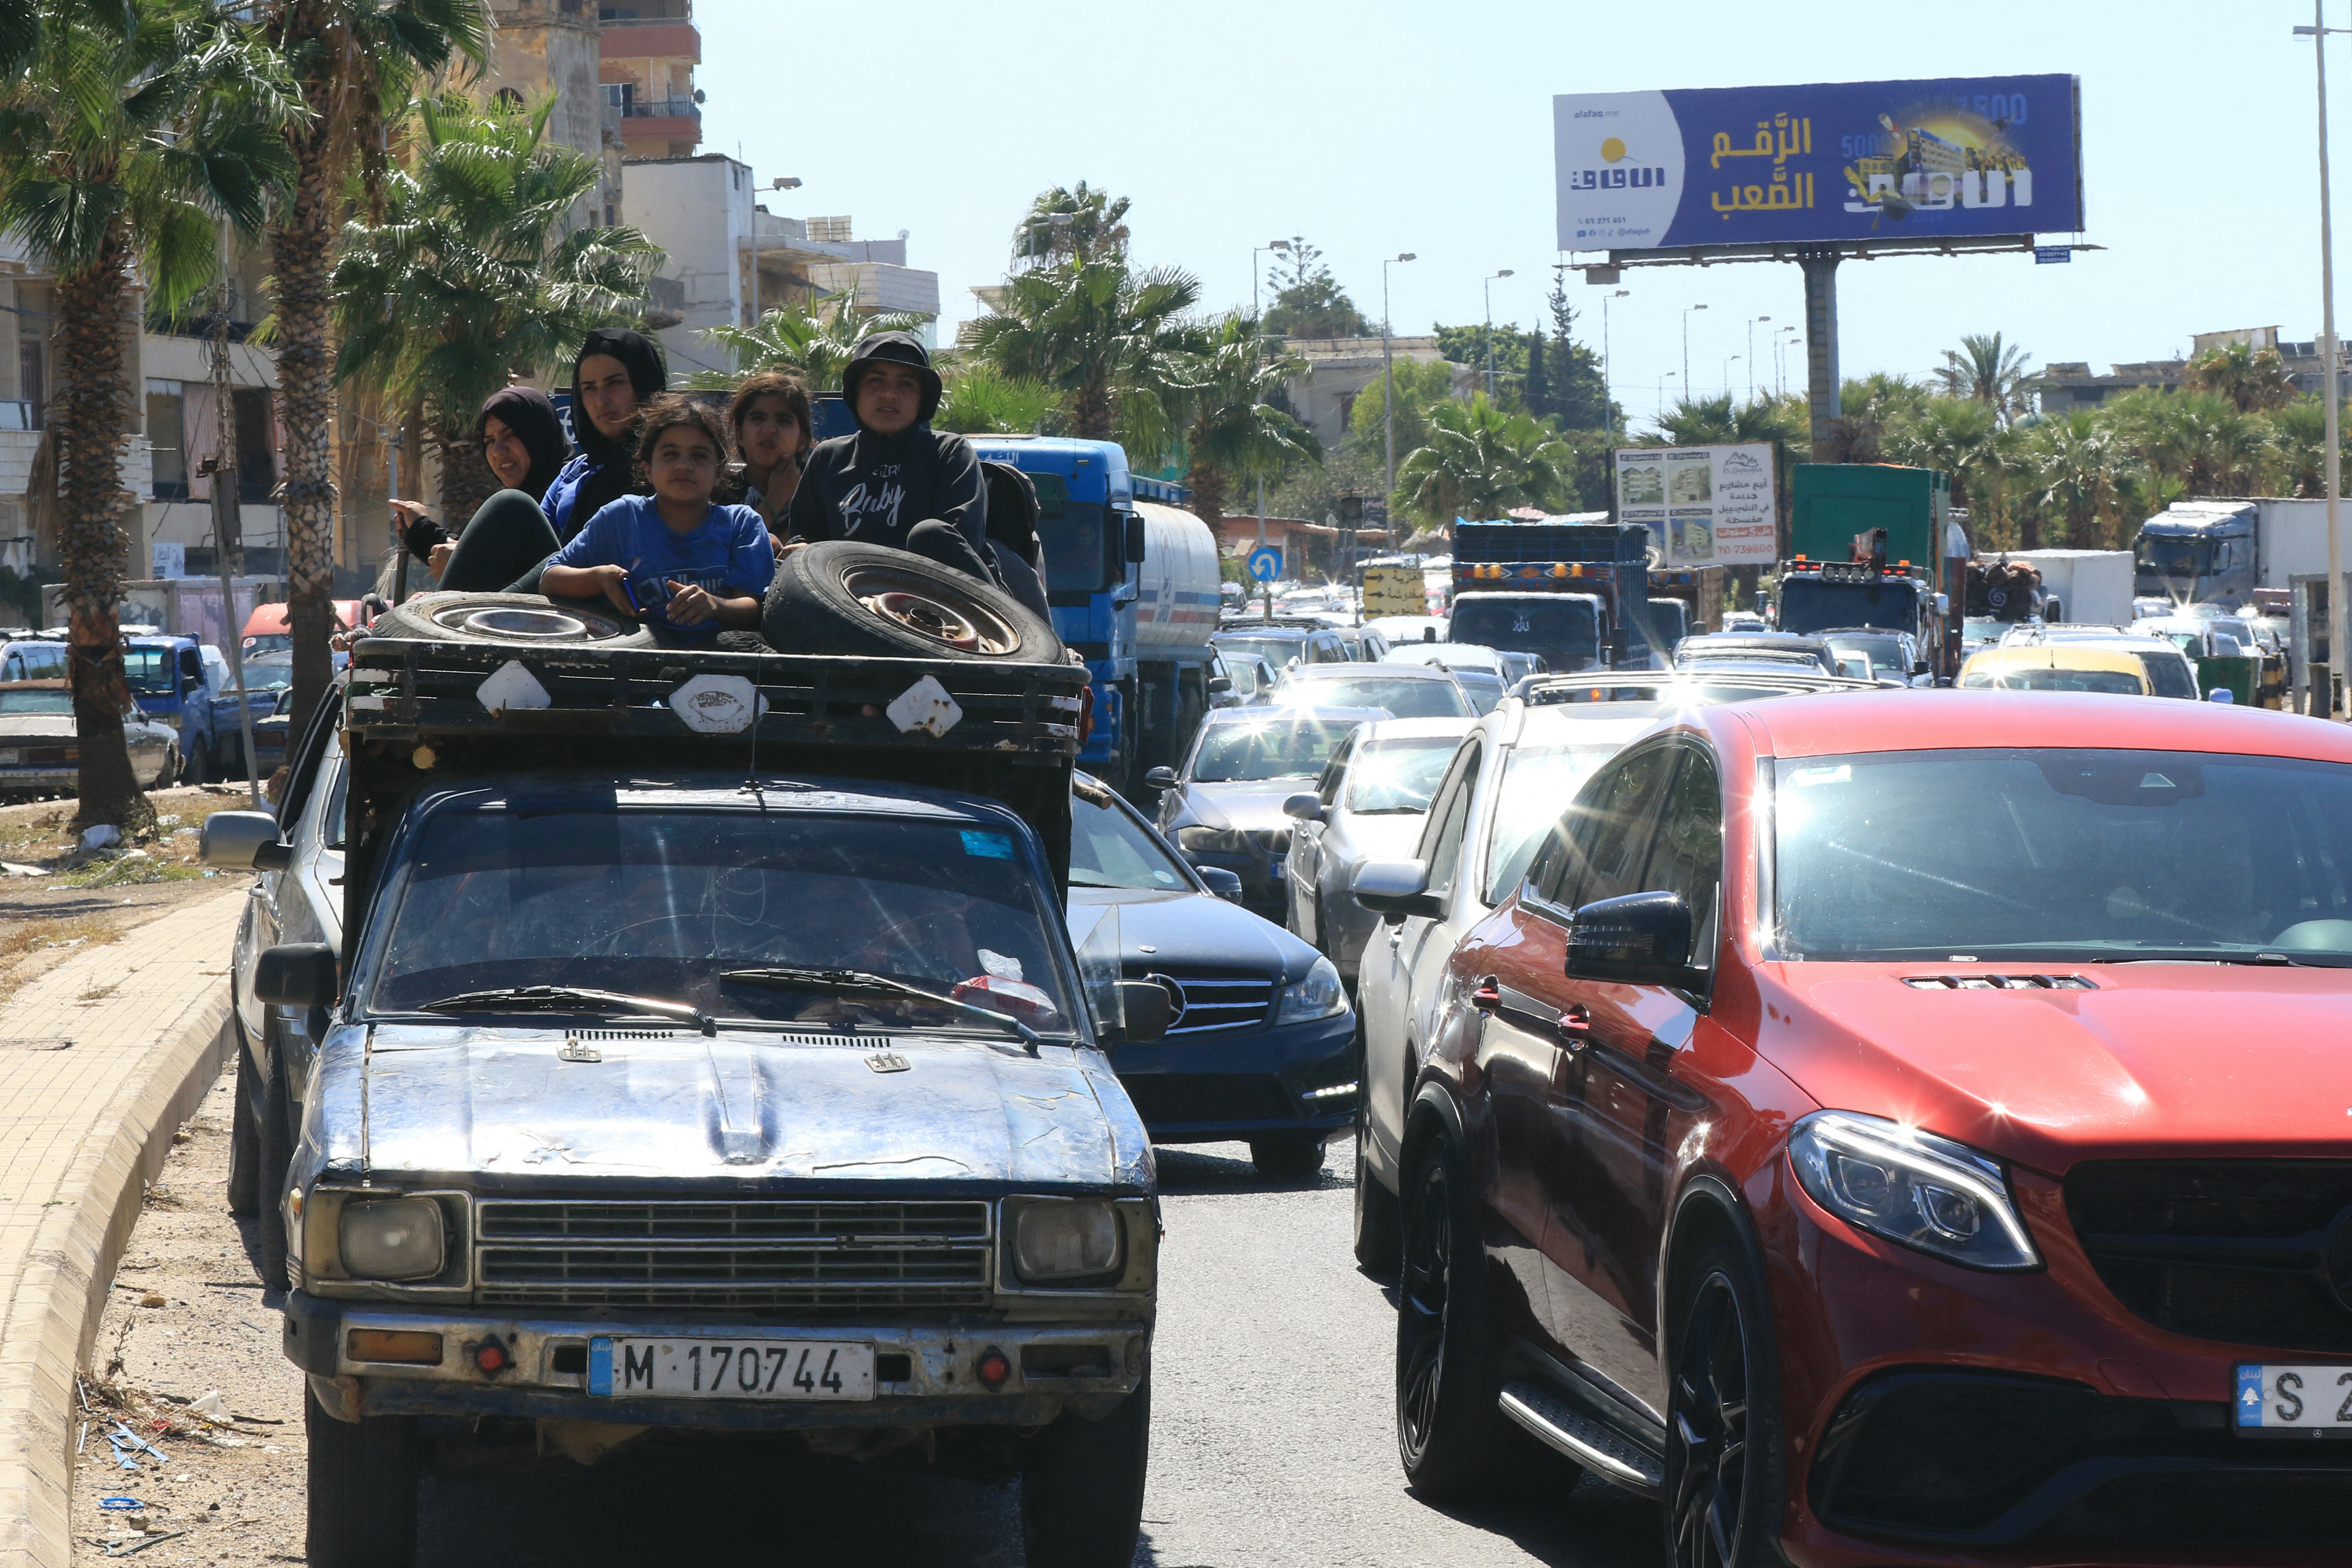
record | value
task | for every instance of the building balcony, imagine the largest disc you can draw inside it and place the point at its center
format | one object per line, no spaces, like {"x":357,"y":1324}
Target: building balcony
{"x":680,"y":108}
{"x":653,"y":39}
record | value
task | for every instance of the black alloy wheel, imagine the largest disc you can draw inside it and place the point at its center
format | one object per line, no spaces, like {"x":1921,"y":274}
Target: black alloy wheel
{"x":1379,"y":1241}
{"x":244,"y":1128}
{"x":275,"y":1140}
{"x":1723,"y":1460}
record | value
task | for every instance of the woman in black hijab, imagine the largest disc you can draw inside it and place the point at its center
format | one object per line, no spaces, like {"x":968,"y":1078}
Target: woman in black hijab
{"x":522,"y":442}
{"x":615,"y":371}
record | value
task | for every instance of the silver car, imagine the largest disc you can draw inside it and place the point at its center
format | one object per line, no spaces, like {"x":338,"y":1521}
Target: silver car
{"x":1407,"y":691}
{"x":40,"y":745}
{"x":1368,"y":805}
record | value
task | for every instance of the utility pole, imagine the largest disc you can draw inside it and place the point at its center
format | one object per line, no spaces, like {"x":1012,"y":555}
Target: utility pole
{"x":1388,"y":398}
{"x":1488,"y":288}
{"x":782,"y":183}
{"x":1751,"y":355}
{"x":228,"y":537}
{"x":1607,"y":402}
{"x":2335,"y":596}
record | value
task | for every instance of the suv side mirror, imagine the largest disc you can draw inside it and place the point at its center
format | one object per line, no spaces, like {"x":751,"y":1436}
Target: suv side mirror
{"x":1396,"y":889}
{"x":1146,"y":1009}
{"x":1161,"y":777}
{"x":1136,"y":535}
{"x":296,"y":975}
{"x":1220,"y":684}
{"x":192,"y":668}
{"x":1639,"y":939}
{"x":1225,"y":885}
{"x":1919,"y":666}
{"x":1305,"y":807}
{"x":243,"y":840}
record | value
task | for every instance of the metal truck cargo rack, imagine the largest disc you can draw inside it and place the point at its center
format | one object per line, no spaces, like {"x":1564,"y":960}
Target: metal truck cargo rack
{"x":414,"y":690}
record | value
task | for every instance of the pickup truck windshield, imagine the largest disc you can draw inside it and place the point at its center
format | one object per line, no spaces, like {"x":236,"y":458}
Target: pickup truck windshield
{"x":659,"y":903}
{"x":151,"y":671}
{"x":2072,"y":855}
{"x":23,"y":704}
{"x":1565,"y":630}
{"x":1809,"y":605}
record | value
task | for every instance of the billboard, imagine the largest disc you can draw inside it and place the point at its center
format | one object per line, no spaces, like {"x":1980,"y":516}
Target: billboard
{"x":1938,"y":159}
{"x":1704,"y":505}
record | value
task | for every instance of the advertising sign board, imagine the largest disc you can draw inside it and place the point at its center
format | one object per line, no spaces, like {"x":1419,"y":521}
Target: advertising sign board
{"x":1395,"y":590}
{"x":1704,"y":505}
{"x":1935,"y":158}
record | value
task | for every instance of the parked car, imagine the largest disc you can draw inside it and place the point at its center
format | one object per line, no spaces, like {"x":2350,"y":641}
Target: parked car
{"x":2057,"y":667}
{"x":1709,"y":649}
{"x":1261,"y":1043}
{"x":1365,"y":645}
{"x":1846,"y":1137}
{"x":1368,"y":805}
{"x":1407,"y":691}
{"x":1281,"y":646}
{"x":1249,"y":679}
{"x":1223,"y":807}
{"x":40,"y":745}
{"x":1893,"y":656}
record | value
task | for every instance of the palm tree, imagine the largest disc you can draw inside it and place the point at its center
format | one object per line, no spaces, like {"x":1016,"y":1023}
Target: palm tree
{"x":2076,"y":465}
{"x":1992,"y":372}
{"x":1481,"y":461}
{"x":2254,"y":379}
{"x":354,"y":61}
{"x":1066,"y":225}
{"x":2201,"y":438}
{"x":980,"y":402}
{"x":2299,"y":437}
{"x":1779,"y":423}
{"x":474,"y":276}
{"x":815,"y":344}
{"x":1096,"y":332}
{"x":1958,"y":437}
{"x":1223,"y":408}
{"x":139,"y":129}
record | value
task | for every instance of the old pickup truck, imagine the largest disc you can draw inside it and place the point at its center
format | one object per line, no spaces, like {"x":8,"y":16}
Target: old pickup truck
{"x":641,"y":1042}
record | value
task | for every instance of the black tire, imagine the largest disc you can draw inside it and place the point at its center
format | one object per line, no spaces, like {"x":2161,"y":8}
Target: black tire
{"x":191,"y":765}
{"x":1286,"y":1156}
{"x":244,"y":1130}
{"x":1380,"y":1219}
{"x":743,"y":642}
{"x":817,"y":605}
{"x":362,"y":1501}
{"x":1082,"y":1488}
{"x":174,"y":769}
{"x":1725,"y":1476}
{"x":276,"y":1147}
{"x":517,"y":620}
{"x":1454,"y":1441}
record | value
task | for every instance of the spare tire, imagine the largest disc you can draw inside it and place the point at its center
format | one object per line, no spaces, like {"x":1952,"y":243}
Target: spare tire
{"x":842,"y":596}
{"x":507,"y":620}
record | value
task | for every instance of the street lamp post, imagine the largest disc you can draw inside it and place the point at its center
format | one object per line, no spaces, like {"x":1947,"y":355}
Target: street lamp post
{"x":1729,"y":362}
{"x":1257,"y":346}
{"x":1687,"y":315}
{"x":1608,"y":403}
{"x":780,"y":183}
{"x":1780,"y":341}
{"x":2318,"y":32}
{"x":1751,"y":355}
{"x":1661,"y":397}
{"x":1388,"y":391}
{"x":1486,"y":287}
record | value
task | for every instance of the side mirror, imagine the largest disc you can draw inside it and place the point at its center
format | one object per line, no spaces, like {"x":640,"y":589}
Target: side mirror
{"x":243,"y":840}
{"x":1220,"y":684}
{"x":2053,"y":611}
{"x":1396,"y":889}
{"x":192,"y":668}
{"x":296,"y":975}
{"x":1225,"y":885}
{"x":1641,"y":939}
{"x":1919,"y":666}
{"x":1147,"y":1007}
{"x":1136,"y":535}
{"x":1943,"y":605}
{"x":1303,"y":807}
{"x":1161,"y":779}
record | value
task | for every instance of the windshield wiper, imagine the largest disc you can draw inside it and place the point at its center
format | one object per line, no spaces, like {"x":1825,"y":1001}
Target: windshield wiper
{"x":863,"y":982}
{"x":551,"y":999}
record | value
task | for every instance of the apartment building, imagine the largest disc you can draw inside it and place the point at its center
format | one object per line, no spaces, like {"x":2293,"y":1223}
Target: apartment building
{"x":649,"y":50}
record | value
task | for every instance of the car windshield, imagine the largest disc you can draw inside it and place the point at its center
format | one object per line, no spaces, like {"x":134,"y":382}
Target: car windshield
{"x":1274,"y":651}
{"x":1483,"y":692}
{"x":1536,"y":780}
{"x":1272,"y":747}
{"x":35,"y":661}
{"x":2166,"y":673}
{"x":1565,"y":630}
{"x":1886,"y":653}
{"x":23,"y":704}
{"x":1398,"y":777}
{"x":2029,"y":678}
{"x":2073,"y":853}
{"x":1808,"y":604}
{"x":269,"y":673}
{"x":149,"y":671}
{"x":1110,"y":848}
{"x":1401,"y":695}
{"x":658,"y":904}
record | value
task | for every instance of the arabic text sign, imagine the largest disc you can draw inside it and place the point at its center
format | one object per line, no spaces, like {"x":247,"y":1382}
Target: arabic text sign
{"x":1704,"y":505}
{"x":1833,"y":161}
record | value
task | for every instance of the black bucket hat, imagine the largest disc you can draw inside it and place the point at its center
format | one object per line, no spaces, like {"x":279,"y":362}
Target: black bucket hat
{"x":899,"y":347}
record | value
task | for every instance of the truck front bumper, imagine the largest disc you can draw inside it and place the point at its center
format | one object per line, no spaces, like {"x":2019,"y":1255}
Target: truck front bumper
{"x":926,"y":1373}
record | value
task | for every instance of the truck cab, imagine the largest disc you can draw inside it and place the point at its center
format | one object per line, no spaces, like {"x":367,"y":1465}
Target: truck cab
{"x":1840,"y":595}
{"x":1597,"y":574}
{"x":2195,"y":553}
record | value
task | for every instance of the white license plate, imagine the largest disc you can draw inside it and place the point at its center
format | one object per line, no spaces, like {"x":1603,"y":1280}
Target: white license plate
{"x":730,"y":1369}
{"x":2314,"y":1400}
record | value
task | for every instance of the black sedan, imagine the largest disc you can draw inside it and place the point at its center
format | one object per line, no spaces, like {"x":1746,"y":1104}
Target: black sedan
{"x":1262,"y":1044}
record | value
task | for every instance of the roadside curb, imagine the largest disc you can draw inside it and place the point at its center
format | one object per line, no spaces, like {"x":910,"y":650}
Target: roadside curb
{"x":66,"y":1247}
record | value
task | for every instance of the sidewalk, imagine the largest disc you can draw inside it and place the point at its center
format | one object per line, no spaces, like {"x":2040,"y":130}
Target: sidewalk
{"x":82,"y":1128}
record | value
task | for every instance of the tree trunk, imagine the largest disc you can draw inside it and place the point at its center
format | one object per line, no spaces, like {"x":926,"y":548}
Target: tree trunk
{"x":1091,"y":412}
{"x":1208,"y":486}
{"x":299,"y":253}
{"x":2029,"y":530}
{"x":465,"y":477}
{"x":87,"y":420}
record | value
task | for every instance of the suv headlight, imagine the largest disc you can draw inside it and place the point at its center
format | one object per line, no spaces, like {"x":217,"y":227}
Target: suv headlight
{"x":1913,"y":1188}
{"x":1318,"y":995}
{"x":393,"y":1238}
{"x":1199,"y":840}
{"x":1062,"y":1243}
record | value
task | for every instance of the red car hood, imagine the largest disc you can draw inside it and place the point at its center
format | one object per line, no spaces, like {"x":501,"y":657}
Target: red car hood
{"x":2159,"y":1059}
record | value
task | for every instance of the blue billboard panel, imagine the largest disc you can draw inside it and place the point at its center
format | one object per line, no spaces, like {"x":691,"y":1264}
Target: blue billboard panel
{"x":1833,"y":161}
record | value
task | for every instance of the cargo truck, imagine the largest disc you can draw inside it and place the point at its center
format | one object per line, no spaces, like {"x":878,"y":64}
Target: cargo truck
{"x":1577,"y":594}
{"x":1867,"y":542}
{"x":2221,"y":550}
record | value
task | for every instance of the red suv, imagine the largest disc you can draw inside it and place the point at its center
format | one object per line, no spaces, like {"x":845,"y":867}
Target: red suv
{"x":1907,"y":1128}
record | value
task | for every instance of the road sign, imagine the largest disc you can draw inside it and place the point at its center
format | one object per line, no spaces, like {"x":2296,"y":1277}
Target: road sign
{"x":2052,"y":254}
{"x":1266,"y":564}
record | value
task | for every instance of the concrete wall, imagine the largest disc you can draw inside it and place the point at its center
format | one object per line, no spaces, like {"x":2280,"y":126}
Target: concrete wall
{"x":542,"y":46}
{"x":699,"y":210}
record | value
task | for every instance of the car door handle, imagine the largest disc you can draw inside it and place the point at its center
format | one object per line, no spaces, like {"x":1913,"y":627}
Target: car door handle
{"x":1488,"y":996}
{"x":1576,"y":1027}
{"x":1396,"y":936}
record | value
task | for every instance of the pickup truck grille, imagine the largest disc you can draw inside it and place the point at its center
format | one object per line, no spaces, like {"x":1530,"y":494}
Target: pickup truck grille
{"x":688,"y":1253}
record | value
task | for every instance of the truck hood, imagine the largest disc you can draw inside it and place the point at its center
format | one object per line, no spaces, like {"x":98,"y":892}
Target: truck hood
{"x":2161,"y":1058}
{"x":500,"y":1107}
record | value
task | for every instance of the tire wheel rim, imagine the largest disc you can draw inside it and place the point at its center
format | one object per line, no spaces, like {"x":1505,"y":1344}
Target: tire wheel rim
{"x":1708,"y":1427}
{"x":518,"y":623}
{"x":921,"y":608}
{"x":1423,"y":1296}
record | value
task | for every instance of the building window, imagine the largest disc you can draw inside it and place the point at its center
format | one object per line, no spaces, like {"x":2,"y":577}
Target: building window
{"x":33,"y":379}
{"x":164,"y":413}
{"x":256,"y":456}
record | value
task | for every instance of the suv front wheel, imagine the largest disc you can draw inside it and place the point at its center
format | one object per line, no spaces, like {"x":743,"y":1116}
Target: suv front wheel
{"x":1082,"y":1486}
{"x":1724,"y":1477}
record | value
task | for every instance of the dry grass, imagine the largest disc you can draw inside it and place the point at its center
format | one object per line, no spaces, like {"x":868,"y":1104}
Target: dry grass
{"x":23,"y":942}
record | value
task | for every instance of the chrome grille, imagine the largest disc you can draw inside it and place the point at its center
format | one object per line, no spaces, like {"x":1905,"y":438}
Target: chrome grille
{"x":683,"y":1252}
{"x":1214,"y":1001}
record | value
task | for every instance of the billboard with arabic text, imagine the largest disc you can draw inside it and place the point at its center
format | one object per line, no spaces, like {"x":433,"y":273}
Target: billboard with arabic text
{"x":1704,"y":505}
{"x":1835,"y":160}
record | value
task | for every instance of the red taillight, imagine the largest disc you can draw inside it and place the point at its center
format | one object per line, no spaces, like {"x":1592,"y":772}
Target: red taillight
{"x":993,"y":1369}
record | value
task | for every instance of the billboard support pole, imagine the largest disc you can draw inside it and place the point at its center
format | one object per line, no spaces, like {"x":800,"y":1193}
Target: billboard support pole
{"x":1820,"y":346}
{"x":2336,"y":595}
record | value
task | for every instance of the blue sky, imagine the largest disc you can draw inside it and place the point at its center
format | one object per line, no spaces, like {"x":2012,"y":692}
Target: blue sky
{"x":1373,"y":127}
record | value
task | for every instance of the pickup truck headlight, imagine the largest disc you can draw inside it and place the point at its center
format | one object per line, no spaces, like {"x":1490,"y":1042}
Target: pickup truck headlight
{"x":392,"y":1238}
{"x":1318,"y":995}
{"x":1065,"y":1243}
{"x":1913,"y":1188}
